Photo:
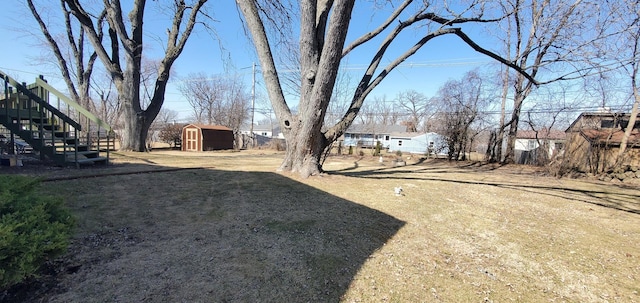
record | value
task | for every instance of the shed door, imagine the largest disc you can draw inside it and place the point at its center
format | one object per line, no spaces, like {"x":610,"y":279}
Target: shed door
{"x":192,"y":139}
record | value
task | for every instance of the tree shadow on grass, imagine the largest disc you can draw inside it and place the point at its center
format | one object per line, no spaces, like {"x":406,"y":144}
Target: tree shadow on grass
{"x":424,"y":164}
{"x":617,"y":198}
{"x":213,"y":236}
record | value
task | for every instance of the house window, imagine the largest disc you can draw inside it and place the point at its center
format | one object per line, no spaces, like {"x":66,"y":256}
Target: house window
{"x":625,"y":123}
{"x":559,"y":145}
{"x":386,"y":138}
{"x":399,"y":142}
{"x":531,"y":144}
{"x":606,"y":124}
{"x":264,"y":134}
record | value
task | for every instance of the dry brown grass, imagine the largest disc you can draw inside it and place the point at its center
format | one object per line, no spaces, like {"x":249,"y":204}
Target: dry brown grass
{"x":237,"y":231}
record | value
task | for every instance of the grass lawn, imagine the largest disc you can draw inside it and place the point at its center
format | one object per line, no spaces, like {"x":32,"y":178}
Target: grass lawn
{"x":170,"y":226}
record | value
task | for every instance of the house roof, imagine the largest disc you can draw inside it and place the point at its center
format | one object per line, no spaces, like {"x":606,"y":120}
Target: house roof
{"x":211,"y":127}
{"x":410,"y":135}
{"x":543,"y":134}
{"x":600,"y":115}
{"x":264,"y":127}
{"x":375,"y":129}
{"x":406,"y":135}
{"x":275,"y":128}
{"x":610,"y":136}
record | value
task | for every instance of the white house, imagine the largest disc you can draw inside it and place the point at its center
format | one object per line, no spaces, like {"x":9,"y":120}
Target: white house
{"x":529,"y":142}
{"x":368,"y":135}
{"x":267,"y":131}
{"x":418,"y":143}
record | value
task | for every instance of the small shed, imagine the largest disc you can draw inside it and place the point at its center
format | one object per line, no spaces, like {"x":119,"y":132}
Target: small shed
{"x":206,"y":137}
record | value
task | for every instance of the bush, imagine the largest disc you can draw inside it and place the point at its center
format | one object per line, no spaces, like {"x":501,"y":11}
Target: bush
{"x":33,"y":229}
{"x":277,"y":144}
{"x":171,"y":134}
{"x":376,"y":151}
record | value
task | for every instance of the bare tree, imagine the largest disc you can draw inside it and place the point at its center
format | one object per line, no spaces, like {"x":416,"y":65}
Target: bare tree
{"x":106,"y":100}
{"x":554,"y":106}
{"x":386,"y":111}
{"x":627,"y":13}
{"x":339,"y":99}
{"x":367,"y":115}
{"x":494,"y":149}
{"x":171,"y":134}
{"x":204,"y":96}
{"x":222,"y":100}
{"x":541,"y":39}
{"x":323,"y":30}
{"x":73,"y":54}
{"x":415,"y":105}
{"x":461,"y":103}
{"x":165,"y":117}
{"x":125,"y":41}
{"x":547,"y":119}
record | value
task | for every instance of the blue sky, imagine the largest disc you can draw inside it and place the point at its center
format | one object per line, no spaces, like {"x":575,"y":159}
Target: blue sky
{"x":441,"y":59}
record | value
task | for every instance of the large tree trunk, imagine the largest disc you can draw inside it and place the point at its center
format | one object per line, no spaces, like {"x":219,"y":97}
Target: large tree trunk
{"x":509,"y":156}
{"x":522,"y":90}
{"x":128,"y":87}
{"x":305,"y":146}
{"x":136,"y":120}
{"x":497,"y":154}
{"x":320,"y":56}
{"x":134,"y":133}
{"x":632,"y":122}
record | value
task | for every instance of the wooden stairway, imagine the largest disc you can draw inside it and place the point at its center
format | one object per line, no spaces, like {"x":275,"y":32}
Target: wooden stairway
{"x":26,"y":112}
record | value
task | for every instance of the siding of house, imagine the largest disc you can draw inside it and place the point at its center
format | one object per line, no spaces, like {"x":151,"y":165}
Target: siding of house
{"x":595,"y":150}
{"x":417,"y":143}
{"x":528,"y":145}
{"x":594,"y":141}
{"x":369,"y":135}
{"x":366,"y":140}
{"x":264,"y":131}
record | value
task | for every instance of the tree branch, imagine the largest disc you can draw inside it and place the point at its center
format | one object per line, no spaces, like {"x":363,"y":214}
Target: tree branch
{"x":251,"y":15}
{"x":62,"y":63}
{"x":372,"y":34}
{"x":458,"y":32}
{"x":96,"y":39}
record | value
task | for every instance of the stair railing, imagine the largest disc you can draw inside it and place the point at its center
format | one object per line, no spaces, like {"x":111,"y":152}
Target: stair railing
{"x":24,"y":108}
{"x":82,"y":113}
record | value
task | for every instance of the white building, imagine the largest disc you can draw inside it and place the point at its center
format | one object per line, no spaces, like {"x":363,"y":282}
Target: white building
{"x":418,"y":143}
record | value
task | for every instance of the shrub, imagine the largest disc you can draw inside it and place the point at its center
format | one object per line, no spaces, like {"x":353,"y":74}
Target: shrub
{"x":171,"y":134}
{"x":277,"y":144}
{"x":33,"y":229}
{"x":376,"y":151}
